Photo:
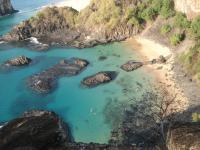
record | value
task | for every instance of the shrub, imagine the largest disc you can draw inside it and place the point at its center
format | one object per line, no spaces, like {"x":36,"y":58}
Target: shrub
{"x":195,"y":28}
{"x":157,"y":5}
{"x":165,"y":29}
{"x":167,"y":9}
{"x":176,"y":39}
{"x":134,"y":22}
{"x":180,"y":21}
{"x":148,"y":14}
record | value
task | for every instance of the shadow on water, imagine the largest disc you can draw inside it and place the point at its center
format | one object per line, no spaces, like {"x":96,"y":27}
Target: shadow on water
{"x":27,"y":101}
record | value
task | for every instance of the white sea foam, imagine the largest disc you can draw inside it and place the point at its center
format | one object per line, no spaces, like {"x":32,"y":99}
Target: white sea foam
{"x":2,"y":42}
{"x":34,"y":40}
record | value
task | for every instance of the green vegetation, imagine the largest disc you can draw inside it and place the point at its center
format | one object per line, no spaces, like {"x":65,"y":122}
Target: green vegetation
{"x":167,"y":9}
{"x":195,"y":28}
{"x":181,"y":21}
{"x":165,"y":29}
{"x":60,"y":17}
{"x":101,"y":12}
{"x":191,"y":60}
{"x":176,"y":39}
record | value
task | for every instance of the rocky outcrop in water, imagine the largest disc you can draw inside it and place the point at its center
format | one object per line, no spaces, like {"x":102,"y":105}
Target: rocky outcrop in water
{"x":18,"y":61}
{"x":6,"y":7}
{"x":131,"y":66}
{"x":99,"y":78}
{"x":45,"y":81}
{"x":35,"y":130}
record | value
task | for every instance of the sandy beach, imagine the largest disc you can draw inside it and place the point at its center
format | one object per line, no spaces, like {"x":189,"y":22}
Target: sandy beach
{"x":76,"y":4}
{"x":163,"y":73}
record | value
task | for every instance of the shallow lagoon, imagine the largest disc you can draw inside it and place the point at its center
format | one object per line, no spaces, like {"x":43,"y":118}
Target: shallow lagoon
{"x":82,"y":108}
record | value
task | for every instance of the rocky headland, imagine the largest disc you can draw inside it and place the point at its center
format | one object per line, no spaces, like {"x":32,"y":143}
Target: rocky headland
{"x":68,"y":27}
{"x":6,"y":7}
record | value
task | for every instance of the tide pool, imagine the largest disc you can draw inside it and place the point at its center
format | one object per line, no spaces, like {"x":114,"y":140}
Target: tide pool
{"x":87,"y":111}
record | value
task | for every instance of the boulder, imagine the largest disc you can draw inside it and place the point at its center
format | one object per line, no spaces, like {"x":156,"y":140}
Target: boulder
{"x":161,"y":59}
{"x":99,"y":78}
{"x":184,"y":136}
{"x":18,"y":61}
{"x":45,"y":81}
{"x":131,"y":66}
{"x":34,"y":130}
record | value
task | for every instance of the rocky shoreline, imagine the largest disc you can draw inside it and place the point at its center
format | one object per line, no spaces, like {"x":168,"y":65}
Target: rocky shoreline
{"x":39,"y":130}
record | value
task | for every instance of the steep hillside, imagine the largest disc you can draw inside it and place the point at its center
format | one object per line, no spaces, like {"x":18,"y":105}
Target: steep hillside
{"x":190,"y":7}
{"x":101,"y":22}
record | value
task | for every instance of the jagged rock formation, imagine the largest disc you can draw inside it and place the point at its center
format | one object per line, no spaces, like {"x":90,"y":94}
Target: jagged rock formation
{"x":99,"y":78}
{"x":34,"y":130}
{"x":6,"y":7}
{"x":131,"y":66}
{"x":190,"y":7}
{"x":18,"y":61}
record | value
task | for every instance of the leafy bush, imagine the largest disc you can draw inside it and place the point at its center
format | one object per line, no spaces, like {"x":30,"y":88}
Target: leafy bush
{"x":157,"y":5}
{"x":191,"y":60}
{"x":195,"y":28}
{"x":134,"y":22}
{"x":167,"y":9}
{"x":180,"y":21}
{"x":148,"y":14}
{"x":176,"y":39}
{"x":165,"y":29}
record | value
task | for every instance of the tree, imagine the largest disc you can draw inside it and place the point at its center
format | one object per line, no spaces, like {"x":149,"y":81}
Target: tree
{"x":167,"y":9}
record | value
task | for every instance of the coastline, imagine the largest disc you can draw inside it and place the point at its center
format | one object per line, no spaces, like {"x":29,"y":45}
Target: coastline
{"x":164,"y":74}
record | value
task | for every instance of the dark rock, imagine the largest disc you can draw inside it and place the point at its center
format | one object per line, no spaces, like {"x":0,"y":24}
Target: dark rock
{"x":184,"y":136}
{"x":6,"y":7}
{"x":162,"y":59}
{"x":44,"y":130}
{"x":154,"y":61}
{"x":131,"y":66}
{"x":45,"y":81}
{"x":35,"y":130}
{"x":18,"y":61}
{"x":102,"y":58}
{"x":99,"y":78}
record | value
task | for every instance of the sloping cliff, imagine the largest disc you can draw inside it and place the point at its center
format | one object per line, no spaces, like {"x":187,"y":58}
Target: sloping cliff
{"x":190,"y":7}
{"x":101,"y":22}
{"x":6,"y":7}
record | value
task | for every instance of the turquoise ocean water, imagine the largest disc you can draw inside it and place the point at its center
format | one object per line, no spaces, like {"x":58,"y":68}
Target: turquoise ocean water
{"x":83,"y":109}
